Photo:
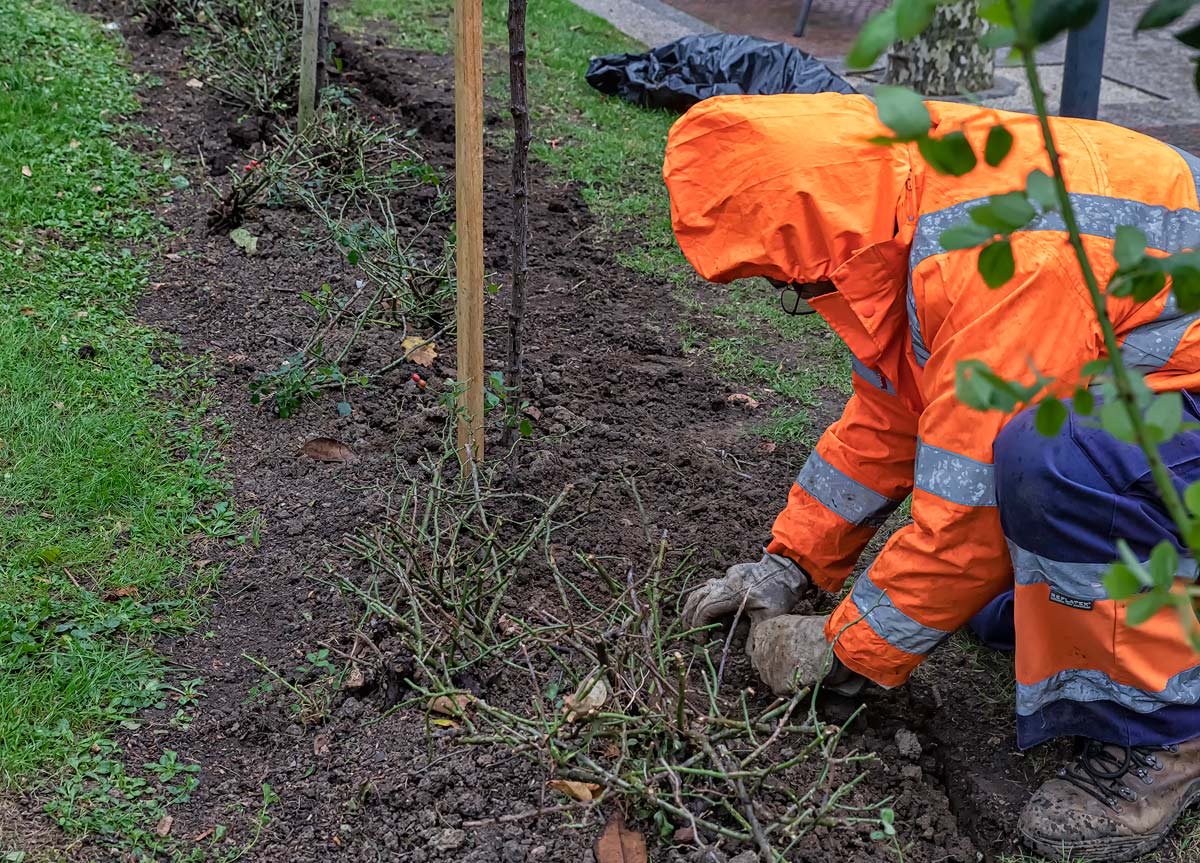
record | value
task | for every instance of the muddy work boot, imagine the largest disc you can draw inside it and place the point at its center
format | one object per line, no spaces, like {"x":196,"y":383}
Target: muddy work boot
{"x":791,"y":651}
{"x":1112,"y":803}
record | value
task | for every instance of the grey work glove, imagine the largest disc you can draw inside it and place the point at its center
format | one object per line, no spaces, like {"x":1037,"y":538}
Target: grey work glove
{"x":791,"y":651}
{"x":769,"y":588}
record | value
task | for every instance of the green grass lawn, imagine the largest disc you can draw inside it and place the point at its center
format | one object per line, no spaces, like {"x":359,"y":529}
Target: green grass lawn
{"x":104,"y":454}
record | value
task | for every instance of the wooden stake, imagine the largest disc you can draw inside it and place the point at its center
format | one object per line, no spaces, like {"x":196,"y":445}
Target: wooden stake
{"x":308,"y":64}
{"x":468,"y":189}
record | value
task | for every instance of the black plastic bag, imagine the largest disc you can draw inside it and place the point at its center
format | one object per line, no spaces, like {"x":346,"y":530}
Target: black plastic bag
{"x":681,"y":73}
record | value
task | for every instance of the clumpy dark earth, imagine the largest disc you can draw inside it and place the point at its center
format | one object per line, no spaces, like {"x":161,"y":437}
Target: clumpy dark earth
{"x":616,"y":399}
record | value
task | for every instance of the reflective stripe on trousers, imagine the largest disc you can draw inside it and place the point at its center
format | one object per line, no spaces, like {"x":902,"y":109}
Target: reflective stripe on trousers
{"x":843,"y":495}
{"x":890,"y":623}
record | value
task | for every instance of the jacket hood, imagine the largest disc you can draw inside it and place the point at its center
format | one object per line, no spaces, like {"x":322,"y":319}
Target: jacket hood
{"x":788,"y":187}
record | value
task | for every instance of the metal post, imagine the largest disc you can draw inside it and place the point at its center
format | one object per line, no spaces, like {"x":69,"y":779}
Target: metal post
{"x":1084,"y":66}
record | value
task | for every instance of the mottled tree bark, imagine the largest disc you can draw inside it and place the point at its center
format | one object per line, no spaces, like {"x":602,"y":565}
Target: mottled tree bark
{"x":947,"y":59}
{"x":519,"y":107}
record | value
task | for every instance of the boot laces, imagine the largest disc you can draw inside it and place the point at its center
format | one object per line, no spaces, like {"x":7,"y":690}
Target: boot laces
{"x":1101,"y":770}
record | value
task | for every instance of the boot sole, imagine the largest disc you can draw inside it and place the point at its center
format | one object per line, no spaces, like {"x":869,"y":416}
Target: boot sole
{"x":1119,"y":849}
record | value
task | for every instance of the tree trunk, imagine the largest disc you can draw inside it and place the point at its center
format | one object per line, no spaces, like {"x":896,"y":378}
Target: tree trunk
{"x":520,"y":197}
{"x":947,"y":59}
{"x":322,"y":50}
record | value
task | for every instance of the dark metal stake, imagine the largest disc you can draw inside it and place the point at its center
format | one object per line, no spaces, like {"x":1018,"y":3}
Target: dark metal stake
{"x":1084,"y":66}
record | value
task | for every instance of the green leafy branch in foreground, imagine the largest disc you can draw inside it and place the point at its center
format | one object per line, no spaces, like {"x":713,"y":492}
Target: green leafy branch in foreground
{"x":1129,"y":409}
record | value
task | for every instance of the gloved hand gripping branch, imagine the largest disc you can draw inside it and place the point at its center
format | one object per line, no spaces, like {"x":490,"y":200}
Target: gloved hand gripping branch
{"x":767,"y":588}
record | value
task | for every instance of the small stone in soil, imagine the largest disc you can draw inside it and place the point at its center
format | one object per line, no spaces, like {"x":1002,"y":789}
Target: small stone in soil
{"x":449,"y":840}
{"x":908,"y":744}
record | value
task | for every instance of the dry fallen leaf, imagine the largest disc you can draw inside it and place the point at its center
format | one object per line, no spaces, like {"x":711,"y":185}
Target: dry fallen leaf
{"x":328,"y":449}
{"x":420,"y":351}
{"x":532,"y":412}
{"x":619,"y":844}
{"x":355,"y":679}
{"x":584,"y":792}
{"x":321,"y":745}
{"x":200,"y":837}
{"x":195,"y":83}
{"x":25,"y":170}
{"x":174,"y":256}
{"x":121,"y":593}
{"x":451,"y":705}
{"x":27,"y":310}
{"x":164,"y":825}
{"x":587,"y":699}
{"x":742,"y":399}
{"x":74,"y":145}
{"x":767,"y":446}
{"x":685,"y":836}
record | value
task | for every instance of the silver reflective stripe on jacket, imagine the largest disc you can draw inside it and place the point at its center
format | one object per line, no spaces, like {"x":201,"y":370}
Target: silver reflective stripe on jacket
{"x":1149,"y":347}
{"x":871,"y":376}
{"x":1078,"y":684}
{"x":1083,"y":581}
{"x":847,"y":497}
{"x":1099,"y":216}
{"x":953,"y":477}
{"x":890,"y":623}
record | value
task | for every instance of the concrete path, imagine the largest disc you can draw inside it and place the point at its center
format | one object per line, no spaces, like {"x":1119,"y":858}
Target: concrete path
{"x":1148,"y":77}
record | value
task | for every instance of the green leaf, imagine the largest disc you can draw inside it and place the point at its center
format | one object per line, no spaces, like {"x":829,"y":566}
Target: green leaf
{"x":996,"y":263}
{"x":1051,"y":414}
{"x":1129,"y":248}
{"x":1165,"y":416}
{"x":1144,"y":608}
{"x":1014,"y":208}
{"x":1185,"y":284}
{"x":352,"y":257}
{"x":1148,"y":283}
{"x":1096,"y":367}
{"x":999,"y":142}
{"x":1040,"y":186}
{"x":903,"y":111}
{"x":912,"y":17}
{"x":986,"y":216}
{"x":997,"y":12}
{"x":999,"y":37}
{"x":344,"y":409}
{"x":1164,"y":12}
{"x":1190,"y":36}
{"x":244,"y":240}
{"x":525,"y":427}
{"x":950,"y":154}
{"x":1051,"y":17}
{"x":966,"y":236}
{"x":1192,"y":498}
{"x":1083,"y":401}
{"x":873,"y":39}
{"x":1115,"y":420}
{"x":972,"y":388}
{"x":1164,"y":563}
{"x":1121,"y":582}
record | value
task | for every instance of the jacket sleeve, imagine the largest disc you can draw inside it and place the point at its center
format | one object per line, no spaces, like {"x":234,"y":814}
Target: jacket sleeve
{"x":860,"y":471}
{"x":937,"y":572}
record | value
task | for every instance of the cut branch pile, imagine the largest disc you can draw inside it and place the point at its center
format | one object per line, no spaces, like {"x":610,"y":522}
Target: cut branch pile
{"x":606,"y":688}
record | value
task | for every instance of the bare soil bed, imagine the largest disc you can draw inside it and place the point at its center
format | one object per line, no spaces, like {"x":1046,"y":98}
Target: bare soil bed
{"x":615,"y":400}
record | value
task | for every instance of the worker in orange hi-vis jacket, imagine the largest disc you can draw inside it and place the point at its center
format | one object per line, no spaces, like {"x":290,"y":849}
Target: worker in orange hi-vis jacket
{"x":1011,"y":531}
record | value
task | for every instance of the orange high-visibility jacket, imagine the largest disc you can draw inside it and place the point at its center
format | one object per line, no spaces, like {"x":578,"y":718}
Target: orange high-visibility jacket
{"x":788,"y":187}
